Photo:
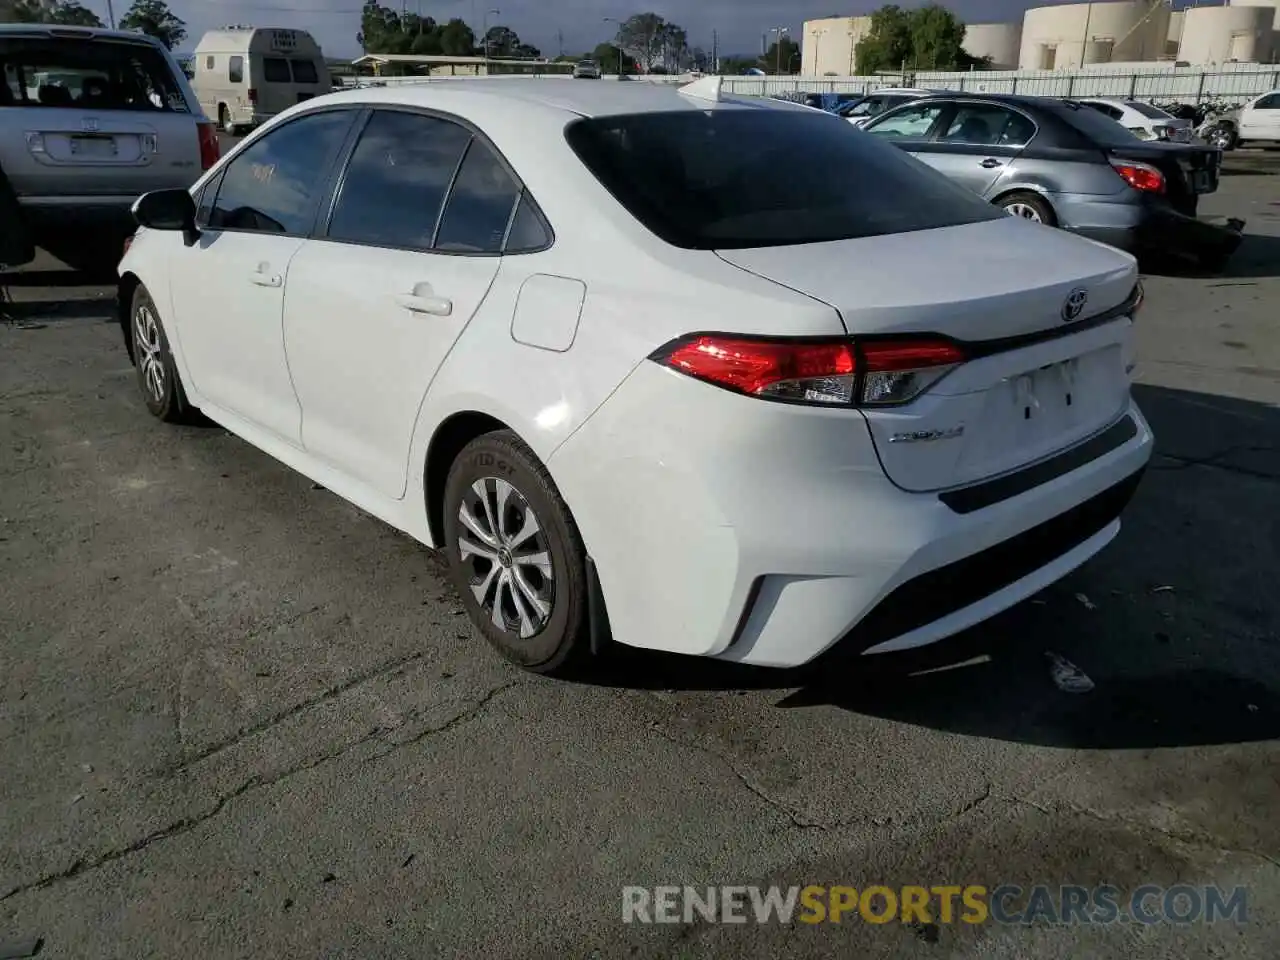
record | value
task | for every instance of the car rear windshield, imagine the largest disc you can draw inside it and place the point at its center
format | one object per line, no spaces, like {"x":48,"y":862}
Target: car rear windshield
{"x":764,"y":177}
{"x":1147,"y":110}
{"x":1086,"y":120}
{"x":87,"y":75}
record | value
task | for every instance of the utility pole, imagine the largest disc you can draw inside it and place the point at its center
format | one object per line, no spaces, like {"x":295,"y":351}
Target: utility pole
{"x":781,"y":32}
{"x":111,"y":15}
{"x":715,"y":52}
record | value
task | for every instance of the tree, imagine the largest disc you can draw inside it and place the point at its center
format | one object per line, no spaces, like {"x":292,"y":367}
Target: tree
{"x":783,"y":56}
{"x":154,"y":18}
{"x":675,"y":47}
{"x":68,"y":13}
{"x":457,"y":39}
{"x":643,"y":36}
{"x":926,"y":38}
{"x":613,"y":59}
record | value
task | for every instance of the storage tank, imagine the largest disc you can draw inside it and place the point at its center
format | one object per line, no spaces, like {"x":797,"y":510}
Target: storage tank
{"x":999,"y":41}
{"x":1269,"y":4}
{"x":1078,"y":34}
{"x":828,"y":47}
{"x":1221,"y":34}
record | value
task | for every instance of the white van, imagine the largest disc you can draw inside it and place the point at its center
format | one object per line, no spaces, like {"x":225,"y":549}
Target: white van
{"x":246,"y":75}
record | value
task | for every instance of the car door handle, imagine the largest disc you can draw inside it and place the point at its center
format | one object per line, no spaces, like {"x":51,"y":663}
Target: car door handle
{"x":266,"y":279}
{"x":425,"y":303}
{"x":990,"y":163}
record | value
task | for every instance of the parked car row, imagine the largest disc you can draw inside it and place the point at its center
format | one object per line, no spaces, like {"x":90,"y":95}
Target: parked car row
{"x":1064,"y":163}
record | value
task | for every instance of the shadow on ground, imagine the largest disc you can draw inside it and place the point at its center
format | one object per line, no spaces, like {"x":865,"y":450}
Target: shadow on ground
{"x":76,"y":295}
{"x":1258,"y":257}
{"x":1177,"y":623}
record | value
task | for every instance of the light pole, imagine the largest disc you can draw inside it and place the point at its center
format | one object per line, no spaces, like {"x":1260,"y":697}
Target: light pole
{"x":622,"y":64}
{"x":780,"y":32}
{"x":111,"y":15}
{"x":487,"y":14}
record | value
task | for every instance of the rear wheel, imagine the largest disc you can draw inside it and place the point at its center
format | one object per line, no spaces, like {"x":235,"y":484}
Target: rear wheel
{"x":516,"y":556}
{"x":1028,"y":206}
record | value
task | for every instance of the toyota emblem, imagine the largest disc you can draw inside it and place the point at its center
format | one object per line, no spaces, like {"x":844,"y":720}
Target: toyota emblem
{"x":1073,"y":306}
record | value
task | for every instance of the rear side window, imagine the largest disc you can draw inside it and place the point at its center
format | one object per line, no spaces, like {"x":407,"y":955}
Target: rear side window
{"x":37,"y":72}
{"x":396,"y":182}
{"x":988,"y":125}
{"x":304,"y":71}
{"x":1147,"y":110}
{"x":276,"y":70}
{"x":1270,"y":102}
{"x":739,"y":177}
{"x":480,"y":205}
{"x":235,"y":69}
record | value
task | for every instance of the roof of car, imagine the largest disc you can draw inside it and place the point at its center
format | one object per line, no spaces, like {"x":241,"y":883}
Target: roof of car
{"x":582,"y":99}
{"x":73,"y":33}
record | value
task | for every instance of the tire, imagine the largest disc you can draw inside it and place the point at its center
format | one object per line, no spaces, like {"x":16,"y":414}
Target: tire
{"x":551,"y":635}
{"x":158,"y":379}
{"x":223,"y":118}
{"x":1029,"y":206}
{"x":1224,"y":138}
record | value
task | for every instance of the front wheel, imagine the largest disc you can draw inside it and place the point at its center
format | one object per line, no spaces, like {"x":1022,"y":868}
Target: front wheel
{"x":157,"y":373}
{"x":516,"y":556}
{"x":1028,"y":206}
{"x":1222,"y":137}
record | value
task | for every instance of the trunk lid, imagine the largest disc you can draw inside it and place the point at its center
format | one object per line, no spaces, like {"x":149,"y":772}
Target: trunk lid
{"x":1040,"y":377}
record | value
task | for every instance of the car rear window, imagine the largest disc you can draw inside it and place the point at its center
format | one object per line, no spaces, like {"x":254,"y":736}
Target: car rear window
{"x":1147,"y":110}
{"x":87,"y":75}
{"x":763,"y":177}
{"x":1096,"y":126}
{"x":276,"y":70}
{"x":304,"y":71}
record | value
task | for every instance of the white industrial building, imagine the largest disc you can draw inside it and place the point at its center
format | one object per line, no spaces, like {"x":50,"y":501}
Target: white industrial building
{"x":1223,"y":34}
{"x":829,"y":47}
{"x":1001,"y":42}
{"x":1078,"y":34}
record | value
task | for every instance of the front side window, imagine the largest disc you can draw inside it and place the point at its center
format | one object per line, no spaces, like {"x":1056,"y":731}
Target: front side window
{"x":395,"y":185}
{"x":762,"y":177}
{"x":989,"y":125}
{"x":910,"y":123}
{"x":38,"y":72}
{"x":1270,"y":102}
{"x":276,"y":70}
{"x":235,"y":69}
{"x":272,"y":186}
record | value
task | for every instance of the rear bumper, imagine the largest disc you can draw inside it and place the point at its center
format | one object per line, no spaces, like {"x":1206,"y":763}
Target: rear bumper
{"x":1158,"y":229}
{"x":764,"y":534}
{"x":56,"y":216}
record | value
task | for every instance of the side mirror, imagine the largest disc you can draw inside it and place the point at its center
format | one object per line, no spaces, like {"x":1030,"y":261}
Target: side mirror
{"x":166,"y":210}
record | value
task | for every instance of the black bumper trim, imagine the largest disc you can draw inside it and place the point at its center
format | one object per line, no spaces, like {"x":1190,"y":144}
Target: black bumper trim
{"x":990,"y":492}
{"x":941,"y":592}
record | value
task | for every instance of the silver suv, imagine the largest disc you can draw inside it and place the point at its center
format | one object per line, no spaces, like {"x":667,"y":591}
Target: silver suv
{"x":90,"y":120}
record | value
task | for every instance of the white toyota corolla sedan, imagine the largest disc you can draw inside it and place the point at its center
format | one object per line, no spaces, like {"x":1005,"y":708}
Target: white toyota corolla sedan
{"x":691,"y":372}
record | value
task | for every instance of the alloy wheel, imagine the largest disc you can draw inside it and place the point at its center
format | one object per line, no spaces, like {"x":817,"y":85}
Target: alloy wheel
{"x":1023,"y":210}
{"x":506,"y":548}
{"x":146,"y":339}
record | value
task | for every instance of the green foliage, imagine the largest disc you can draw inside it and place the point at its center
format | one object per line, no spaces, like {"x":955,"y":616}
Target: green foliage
{"x":154,"y":18}
{"x":612,"y":59}
{"x":783,"y":56}
{"x":924,"y":38}
{"x":68,"y":13}
{"x":383,"y":30}
{"x":654,"y":43}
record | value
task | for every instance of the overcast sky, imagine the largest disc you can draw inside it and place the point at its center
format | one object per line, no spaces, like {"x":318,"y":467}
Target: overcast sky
{"x":739,"y":23}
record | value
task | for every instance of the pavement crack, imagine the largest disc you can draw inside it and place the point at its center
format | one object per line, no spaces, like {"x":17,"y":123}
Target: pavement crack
{"x":1214,"y":460}
{"x":1198,"y":838}
{"x":456,"y":720}
{"x":275,"y":720}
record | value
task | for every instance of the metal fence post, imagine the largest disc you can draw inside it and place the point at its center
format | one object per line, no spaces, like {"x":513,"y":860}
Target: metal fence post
{"x":1013,"y":87}
{"x":1200,"y":88}
{"x":1071,"y":85}
{"x":1133,"y":87}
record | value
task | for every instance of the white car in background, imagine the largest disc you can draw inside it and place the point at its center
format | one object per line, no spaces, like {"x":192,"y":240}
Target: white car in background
{"x":877,"y":102}
{"x":726,"y":414}
{"x":586,"y":70}
{"x":1259,"y":119}
{"x":1144,"y":121}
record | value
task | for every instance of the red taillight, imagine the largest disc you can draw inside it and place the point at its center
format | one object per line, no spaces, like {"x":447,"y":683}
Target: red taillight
{"x":1140,"y":176}
{"x":253,"y":96}
{"x":826,"y":373}
{"x":209,"y":149}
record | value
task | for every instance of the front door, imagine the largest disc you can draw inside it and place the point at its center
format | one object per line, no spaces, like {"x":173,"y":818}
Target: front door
{"x":376,"y":302}
{"x":229,"y":286}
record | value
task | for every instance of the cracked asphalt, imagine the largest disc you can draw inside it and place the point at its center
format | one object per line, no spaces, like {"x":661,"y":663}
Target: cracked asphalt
{"x":239,"y":718}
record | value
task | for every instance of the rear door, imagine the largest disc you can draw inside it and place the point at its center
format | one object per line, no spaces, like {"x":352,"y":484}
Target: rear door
{"x":93,"y":116}
{"x":977,"y":144}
